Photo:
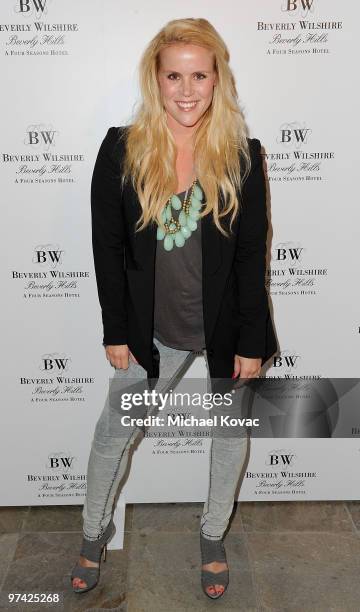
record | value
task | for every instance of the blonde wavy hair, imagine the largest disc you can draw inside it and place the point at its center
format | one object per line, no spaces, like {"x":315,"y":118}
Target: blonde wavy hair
{"x":220,"y":143}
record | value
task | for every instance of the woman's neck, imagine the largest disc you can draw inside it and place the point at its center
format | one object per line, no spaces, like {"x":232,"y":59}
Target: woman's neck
{"x":183,"y":135}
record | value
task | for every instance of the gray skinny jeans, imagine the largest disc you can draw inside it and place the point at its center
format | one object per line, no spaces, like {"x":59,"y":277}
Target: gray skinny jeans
{"x":111,"y":444}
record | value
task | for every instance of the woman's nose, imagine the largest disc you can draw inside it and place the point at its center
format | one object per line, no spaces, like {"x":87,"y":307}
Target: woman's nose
{"x":187,"y":87}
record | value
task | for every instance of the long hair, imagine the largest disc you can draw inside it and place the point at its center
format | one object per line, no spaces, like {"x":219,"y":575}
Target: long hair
{"x":220,"y":143}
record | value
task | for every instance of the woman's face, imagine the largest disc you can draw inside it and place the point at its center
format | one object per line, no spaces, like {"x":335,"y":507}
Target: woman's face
{"x":186,"y":79}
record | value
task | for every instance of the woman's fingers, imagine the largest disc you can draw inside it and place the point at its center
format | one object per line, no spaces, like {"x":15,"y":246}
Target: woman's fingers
{"x":246,"y":367}
{"x":237,"y":367}
{"x":120,"y":364}
{"x":118,"y":355}
{"x":132,"y":357}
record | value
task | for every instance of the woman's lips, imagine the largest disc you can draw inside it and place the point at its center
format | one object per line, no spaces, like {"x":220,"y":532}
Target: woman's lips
{"x":187,"y":106}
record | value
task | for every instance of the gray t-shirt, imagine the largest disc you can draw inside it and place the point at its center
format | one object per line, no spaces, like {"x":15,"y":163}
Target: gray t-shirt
{"x":178,"y":308}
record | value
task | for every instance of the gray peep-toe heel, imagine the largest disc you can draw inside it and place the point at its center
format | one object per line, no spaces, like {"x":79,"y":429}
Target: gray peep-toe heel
{"x":92,"y":551}
{"x":213,"y":550}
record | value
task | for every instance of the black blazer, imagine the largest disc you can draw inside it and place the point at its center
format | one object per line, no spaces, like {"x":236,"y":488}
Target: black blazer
{"x":235,"y":301}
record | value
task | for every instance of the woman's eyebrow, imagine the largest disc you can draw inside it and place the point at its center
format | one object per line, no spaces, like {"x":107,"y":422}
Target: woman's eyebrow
{"x":176,"y":71}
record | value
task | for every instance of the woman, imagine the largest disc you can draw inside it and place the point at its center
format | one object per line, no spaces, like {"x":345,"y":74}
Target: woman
{"x":179,"y":240}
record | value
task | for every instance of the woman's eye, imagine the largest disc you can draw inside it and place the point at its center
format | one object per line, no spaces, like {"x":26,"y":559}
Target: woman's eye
{"x":199,"y":76}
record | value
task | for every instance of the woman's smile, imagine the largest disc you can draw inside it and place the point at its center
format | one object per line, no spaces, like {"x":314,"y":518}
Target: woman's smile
{"x":187,"y":106}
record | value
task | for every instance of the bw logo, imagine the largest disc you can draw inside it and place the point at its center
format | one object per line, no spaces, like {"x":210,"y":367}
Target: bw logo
{"x":60,"y":461}
{"x":279,"y":458}
{"x":32,"y":7}
{"x":285,"y":253}
{"x":45,"y":255}
{"x":293,"y":5}
{"x":293,"y":134}
{"x":286,"y":361}
{"x":52,"y":362}
{"x":38,"y":136}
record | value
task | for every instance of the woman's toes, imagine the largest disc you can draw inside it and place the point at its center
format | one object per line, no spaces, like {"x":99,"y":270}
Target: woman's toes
{"x":79,"y":584}
{"x":216,"y":589}
{"x":211,"y":590}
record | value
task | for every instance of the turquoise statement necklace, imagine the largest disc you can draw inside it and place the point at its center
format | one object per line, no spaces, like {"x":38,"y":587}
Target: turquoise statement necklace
{"x":178,"y":230}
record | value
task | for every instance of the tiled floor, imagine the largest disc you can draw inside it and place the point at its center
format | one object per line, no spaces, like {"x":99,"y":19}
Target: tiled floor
{"x":298,"y":557}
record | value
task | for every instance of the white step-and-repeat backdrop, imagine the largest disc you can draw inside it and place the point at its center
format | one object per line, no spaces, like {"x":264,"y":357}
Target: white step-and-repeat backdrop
{"x":68,"y":73}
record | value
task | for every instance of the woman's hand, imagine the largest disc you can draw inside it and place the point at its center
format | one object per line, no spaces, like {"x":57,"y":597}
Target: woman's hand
{"x":118,"y":355}
{"x":246,"y":367}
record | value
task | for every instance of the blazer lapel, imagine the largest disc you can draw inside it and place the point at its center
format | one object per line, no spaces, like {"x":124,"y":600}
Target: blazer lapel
{"x":211,"y":246}
{"x":144,"y":241}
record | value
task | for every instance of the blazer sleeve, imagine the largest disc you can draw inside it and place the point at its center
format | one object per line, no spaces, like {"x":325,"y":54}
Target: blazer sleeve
{"x":250,"y":261}
{"x":108,"y":239}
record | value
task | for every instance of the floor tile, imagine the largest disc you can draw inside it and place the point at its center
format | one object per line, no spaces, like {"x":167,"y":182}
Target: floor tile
{"x":12,"y":518}
{"x":43,"y":562}
{"x":353,"y":508}
{"x":53,"y":518}
{"x":306,"y":571}
{"x":8,"y":543}
{"x":166,"y":518}
{"x":295,"y":516}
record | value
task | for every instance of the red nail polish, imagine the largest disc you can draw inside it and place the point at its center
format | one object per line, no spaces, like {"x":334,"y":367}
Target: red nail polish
{"x":234,"y":375}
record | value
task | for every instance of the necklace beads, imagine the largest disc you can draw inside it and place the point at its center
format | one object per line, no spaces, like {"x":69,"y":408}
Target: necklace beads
{"x":180,"y":229}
